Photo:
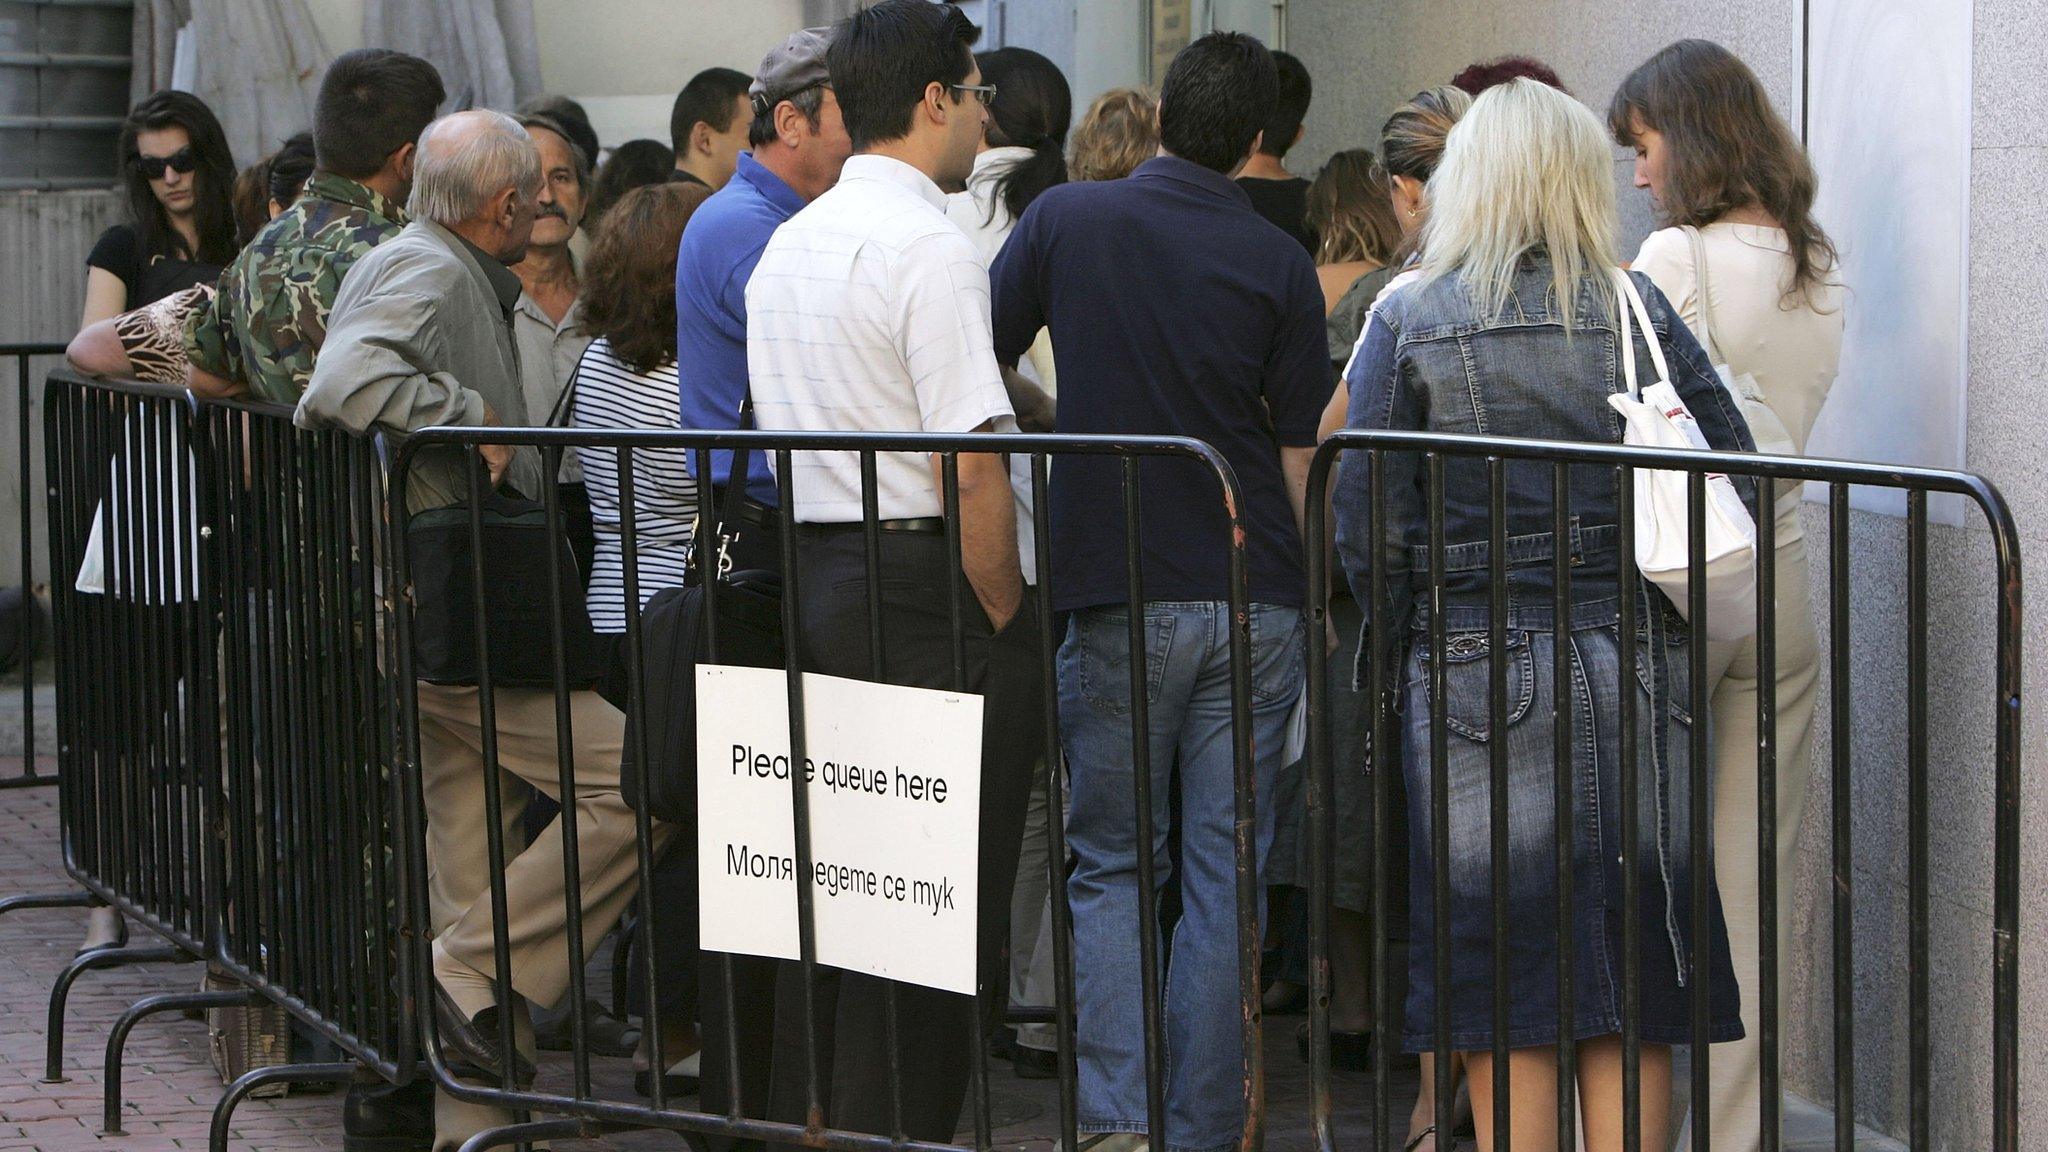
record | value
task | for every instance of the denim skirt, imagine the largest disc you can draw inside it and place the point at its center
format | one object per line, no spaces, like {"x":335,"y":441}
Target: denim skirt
{"x":1457,"y":744}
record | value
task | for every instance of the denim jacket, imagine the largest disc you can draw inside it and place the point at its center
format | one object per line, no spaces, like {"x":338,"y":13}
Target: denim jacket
{"x":1431,"y":362}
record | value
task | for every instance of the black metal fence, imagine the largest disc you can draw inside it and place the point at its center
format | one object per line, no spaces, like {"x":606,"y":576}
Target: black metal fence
{"x":1407,"y":480}
{"x":27,"y":640}
{"x":242,"y":769}
{"x":810,"y":1119}
{"x":309,"y":913}
{"x":138,"y":731}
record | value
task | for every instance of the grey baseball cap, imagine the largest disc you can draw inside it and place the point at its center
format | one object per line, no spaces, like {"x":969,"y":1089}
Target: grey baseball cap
{"x":792,"y":66}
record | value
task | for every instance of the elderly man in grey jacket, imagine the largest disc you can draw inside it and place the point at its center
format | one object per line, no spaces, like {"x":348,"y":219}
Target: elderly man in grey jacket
{"x":421,"y":335}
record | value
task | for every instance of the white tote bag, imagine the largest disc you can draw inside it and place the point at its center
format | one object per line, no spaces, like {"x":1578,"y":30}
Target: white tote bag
{"x":1655,"y":417}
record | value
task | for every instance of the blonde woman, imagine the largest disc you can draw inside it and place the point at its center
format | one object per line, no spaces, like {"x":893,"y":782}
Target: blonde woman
{"x":1735,"y":191}
{"x":1118,"y":132}
{"x":1510,"y":330}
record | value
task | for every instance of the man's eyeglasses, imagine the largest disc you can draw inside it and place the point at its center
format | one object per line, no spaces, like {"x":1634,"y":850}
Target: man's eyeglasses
{"x":986,"y":93}
{"x":152,"y":167}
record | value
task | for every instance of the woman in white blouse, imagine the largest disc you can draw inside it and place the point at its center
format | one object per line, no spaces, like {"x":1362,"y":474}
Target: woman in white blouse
{"x":1023,"y":153}
{"x":1749,"y":269}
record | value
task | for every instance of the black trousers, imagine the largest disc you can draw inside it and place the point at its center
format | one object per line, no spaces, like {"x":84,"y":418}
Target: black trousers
{"x":937,"y":1033}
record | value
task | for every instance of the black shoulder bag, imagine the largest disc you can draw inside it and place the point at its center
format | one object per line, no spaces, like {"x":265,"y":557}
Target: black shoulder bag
{"x":516,"y":546}
{"x":675,"y":630}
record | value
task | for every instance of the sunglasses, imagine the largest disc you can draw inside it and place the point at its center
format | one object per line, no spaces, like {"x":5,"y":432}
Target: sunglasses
{"x":986,"y":93}
{"x":153,"y":167}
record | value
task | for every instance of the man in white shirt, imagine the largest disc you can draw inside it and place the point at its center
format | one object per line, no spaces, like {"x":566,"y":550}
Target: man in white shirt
{"x":869,"y":311}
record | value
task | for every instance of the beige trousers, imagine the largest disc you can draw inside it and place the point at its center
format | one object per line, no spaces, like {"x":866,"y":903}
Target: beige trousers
{"x":452,"y":771}
{"x":1736,"y":1068}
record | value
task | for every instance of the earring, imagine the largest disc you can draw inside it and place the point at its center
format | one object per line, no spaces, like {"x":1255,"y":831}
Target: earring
{"x":1414,"y":212}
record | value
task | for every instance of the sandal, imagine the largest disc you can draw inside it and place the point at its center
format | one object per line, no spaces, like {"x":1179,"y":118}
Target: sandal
{"x":1425,"y":1134}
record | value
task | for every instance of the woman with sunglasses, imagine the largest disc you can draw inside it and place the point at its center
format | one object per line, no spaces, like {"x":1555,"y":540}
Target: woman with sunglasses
{"x":180,"y":179}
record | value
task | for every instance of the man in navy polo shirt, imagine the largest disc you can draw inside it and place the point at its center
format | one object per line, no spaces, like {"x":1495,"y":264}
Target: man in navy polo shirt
{"x":799,"y":144}
{"x":1174,"y":308}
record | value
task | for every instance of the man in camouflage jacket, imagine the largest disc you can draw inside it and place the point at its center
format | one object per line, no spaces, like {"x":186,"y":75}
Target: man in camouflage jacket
{"x":266,"y":322}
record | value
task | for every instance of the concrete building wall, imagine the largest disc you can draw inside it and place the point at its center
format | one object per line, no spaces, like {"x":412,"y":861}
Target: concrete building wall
{"x":1366,"y":57}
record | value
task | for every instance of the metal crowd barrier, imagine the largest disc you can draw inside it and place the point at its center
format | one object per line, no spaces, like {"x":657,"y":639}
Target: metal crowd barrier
{"x":224,"y":733}
{"x":1482,"y":465}
{"x":308,"y":913}
{"x":24,"y":402}
{"x":586,"y":1113}
{"x":138,"y":730}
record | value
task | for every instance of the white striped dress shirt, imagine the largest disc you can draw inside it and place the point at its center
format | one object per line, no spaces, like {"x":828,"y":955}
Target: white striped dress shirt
{"x":869,"y":312}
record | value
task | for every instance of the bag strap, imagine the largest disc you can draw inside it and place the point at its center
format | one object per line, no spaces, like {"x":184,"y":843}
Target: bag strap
{"x":1700,"y":292}
{"x":742,"y":459}
{"x":562,"y":407}
{"x":1629,"y":302}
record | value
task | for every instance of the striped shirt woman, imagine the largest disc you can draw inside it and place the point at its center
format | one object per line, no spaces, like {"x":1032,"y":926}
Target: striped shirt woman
{"x":627,"y":379}
{"x":609,"y":394}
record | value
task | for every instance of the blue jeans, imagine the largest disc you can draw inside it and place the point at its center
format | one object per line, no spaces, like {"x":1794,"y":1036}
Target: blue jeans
{"x":1187,"y":668}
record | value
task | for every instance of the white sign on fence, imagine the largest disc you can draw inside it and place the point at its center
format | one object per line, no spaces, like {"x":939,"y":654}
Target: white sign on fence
{"x":894,"y":784}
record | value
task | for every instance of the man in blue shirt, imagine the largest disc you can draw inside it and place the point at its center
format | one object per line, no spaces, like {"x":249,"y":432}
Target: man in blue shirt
{"x":799,"y":144}
{"x":1174,"y":309}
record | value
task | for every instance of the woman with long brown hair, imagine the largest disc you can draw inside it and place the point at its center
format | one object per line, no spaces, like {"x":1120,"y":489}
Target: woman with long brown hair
{"x":1752,"y":273}
{"x":180,"y":181}
{"x":627,"y":379}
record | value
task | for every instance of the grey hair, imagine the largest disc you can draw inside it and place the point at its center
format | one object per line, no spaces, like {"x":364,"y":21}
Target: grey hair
{"x":467,"y":158}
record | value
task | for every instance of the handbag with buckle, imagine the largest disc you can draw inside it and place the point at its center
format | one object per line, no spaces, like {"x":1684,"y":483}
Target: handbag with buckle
{"x":519,"y":621}
{"x":676,"y":632}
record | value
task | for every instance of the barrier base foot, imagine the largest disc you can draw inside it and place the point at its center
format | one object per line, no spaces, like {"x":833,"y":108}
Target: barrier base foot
{"x":60,"y":992}
{"x":526,"y":1133}
{"x":117,"y":1039}
{"x":224,"y":1112}
{"x":78,"y":899}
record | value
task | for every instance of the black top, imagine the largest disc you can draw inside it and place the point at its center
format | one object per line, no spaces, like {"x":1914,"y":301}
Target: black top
{"x":149,"y":279}
{"x":678,"y":176}
{"x":1285,"y":203}
{"x":1176,"y":310}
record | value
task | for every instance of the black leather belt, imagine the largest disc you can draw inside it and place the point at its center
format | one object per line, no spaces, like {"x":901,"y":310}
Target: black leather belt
{"x":750,"y":510}
{"x":917,"y":525}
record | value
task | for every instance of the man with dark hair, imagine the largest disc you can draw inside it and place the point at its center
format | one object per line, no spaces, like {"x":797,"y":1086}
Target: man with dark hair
{"x":869,"y":312}
{"x":708,"y":126}
{"x":264,"y":328}
{"x":1277,"y":194}
{"x":266,"y":322}
{"x":1176,"y":310}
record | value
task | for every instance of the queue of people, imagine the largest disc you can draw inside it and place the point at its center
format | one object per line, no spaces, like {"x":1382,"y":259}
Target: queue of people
{"x":882,"y":230}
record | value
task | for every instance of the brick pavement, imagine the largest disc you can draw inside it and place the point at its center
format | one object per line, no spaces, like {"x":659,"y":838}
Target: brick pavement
{"x":168,"y":1081}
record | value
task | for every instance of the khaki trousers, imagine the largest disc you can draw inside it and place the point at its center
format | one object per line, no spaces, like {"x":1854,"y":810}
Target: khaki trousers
{"x":452,"y":771}
{"x":1735,"y":1068}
